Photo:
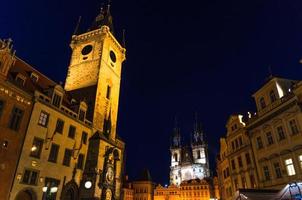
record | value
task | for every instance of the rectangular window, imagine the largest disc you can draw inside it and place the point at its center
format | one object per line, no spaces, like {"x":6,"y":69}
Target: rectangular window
{"x":233,"y":145}
{"x":53,"y":155}
{"x":108,"y":92}
{"x":253,"y":182}
{"x":293,"y":127}
{"x":1,"y":107}
{"x":233,"y":165}
{"x":280,"y":132}
{"x":277,"y":170}
{"x":43,"y":119}
{"x":71,"y":132}
{"x":82,"y":115}
{"x":248,"y":158}
{"x":30,"y":177}
{"x":266,"y":173}
{"x":56,"y":100}
{"x":240,"y":141}
{"x":15,"y":119}
{"x":60,"y":126}
{"x":259,"y":143}
{"x":239,"y":161}
{"x":269,"y":138}
{"x":67,"y":157}
{"x":36,"y":148}
{"x":80,"y":162}
{"x":236,"y":144}
{"x":290,"y":167}
{"x":84,"y":137}
{"x":51,"y":185}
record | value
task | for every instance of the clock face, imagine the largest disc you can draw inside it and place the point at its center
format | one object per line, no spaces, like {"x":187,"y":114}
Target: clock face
{"x":112,"y":56}
{"x":86,"y":50}
{"x":110,"y":175}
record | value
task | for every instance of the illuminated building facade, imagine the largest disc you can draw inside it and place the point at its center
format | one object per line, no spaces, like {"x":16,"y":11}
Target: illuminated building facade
{"x":276,"y":133}
{"x":195,"y":189}
{"x":272,"y":138}
{"x":15,"y":108}
{"x":235,"y":163}
{"x":189,"y":162}
{"x":68,"y":144}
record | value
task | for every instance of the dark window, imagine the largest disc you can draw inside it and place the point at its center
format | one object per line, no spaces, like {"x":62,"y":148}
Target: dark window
{"x":80,"y":161}
{"x":198,"y":154}
{"x":53,"y":155}
{"x":239,"y":161}
{"x":36,"y":148}
{"x":34,"y":78}
{"x":253,"y":181}
{"x":262,"y":103}
{"x":259,"y":143}
{"x":20,"y":81}
{"x":240,"y":141}
{"x":81,"y":115}
{"x":30,"y":177}
{"x":84,"y":137}
{"x":272,"y":96}
{"x":248,"y":158}
{"x":1,"y":107}
{"x":67,"y":157}
{"x":108,"y":92}
{"x":266,"y":173}
{"x":277,"y":170}
{"x":43,"y":119}
{"x":56,"y":100}
{"x":236,"y":144}
{"x":175,"y":157}
{"x":233,"y":145}
{"x":293,"y":127}
{"x":270,"y":139}
{"x":15,"y":120}
{"x":281,"y":134}
{"x":233,"y":165}
{"x":51,"y":185}
{"x":71,"y":132}
{"x":59,"y":126}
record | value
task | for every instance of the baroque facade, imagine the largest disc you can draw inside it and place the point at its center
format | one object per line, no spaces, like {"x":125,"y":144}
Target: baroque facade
{"x":272,"y":138}
{"x":189,"y":162}
{"x":66,"y":146}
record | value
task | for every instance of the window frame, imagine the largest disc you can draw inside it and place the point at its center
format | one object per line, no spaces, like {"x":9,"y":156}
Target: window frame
{"x":15,"y":118}
{"x":37,"y":139}
{"x":42,"y":121}
{"x":56,"y":155}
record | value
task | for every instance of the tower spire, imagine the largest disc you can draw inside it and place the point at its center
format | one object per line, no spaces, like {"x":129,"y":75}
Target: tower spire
{"x":176,"y":134}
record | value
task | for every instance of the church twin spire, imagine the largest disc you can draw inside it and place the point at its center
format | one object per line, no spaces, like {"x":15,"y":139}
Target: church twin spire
{"x":197,"y":137}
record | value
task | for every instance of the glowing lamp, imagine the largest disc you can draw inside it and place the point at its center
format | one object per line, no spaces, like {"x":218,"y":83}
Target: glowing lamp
{"x":88,"y":184}
{"x":44,"y":189}
{"x":53,"y":189}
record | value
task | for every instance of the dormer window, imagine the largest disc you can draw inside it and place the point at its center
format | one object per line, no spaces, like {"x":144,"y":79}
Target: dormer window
{"x":262,"y":103}
{"x":20,"y":79}
{"x":56,"y":101}
{"x":82,"y":115}
{"x":34,"y":77}
{"x":272,"y":96}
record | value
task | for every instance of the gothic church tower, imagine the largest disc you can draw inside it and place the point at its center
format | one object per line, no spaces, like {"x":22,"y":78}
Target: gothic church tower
{"x":94,"y":72}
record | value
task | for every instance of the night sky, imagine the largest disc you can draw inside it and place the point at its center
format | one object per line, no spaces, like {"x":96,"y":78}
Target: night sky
{"x":206,"y":56}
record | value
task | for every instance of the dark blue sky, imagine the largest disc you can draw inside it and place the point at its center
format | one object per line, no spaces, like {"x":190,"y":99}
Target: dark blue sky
{"x":183,"y":57}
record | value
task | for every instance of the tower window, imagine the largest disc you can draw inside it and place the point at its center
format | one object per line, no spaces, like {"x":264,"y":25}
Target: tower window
{"x":262,"y":103}
{"x":175,"y":157}
{"x":198,"y":154}
{"x":108,"y":92}
{"x":272,"y":96}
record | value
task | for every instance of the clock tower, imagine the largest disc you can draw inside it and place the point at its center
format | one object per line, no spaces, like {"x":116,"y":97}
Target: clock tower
{"x":94,"y":72}
{"x":94,"y":76}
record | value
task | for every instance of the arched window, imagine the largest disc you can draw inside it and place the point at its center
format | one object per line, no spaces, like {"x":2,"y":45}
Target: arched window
{"x":272,"y":96}
{"x":262,"y":103}
{"x":198,"y":154}
{"x":175,"y":157}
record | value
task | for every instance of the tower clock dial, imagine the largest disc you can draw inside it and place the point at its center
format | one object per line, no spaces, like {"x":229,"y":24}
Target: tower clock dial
{"x":86,"y":50}
{"x":112,"y":56}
